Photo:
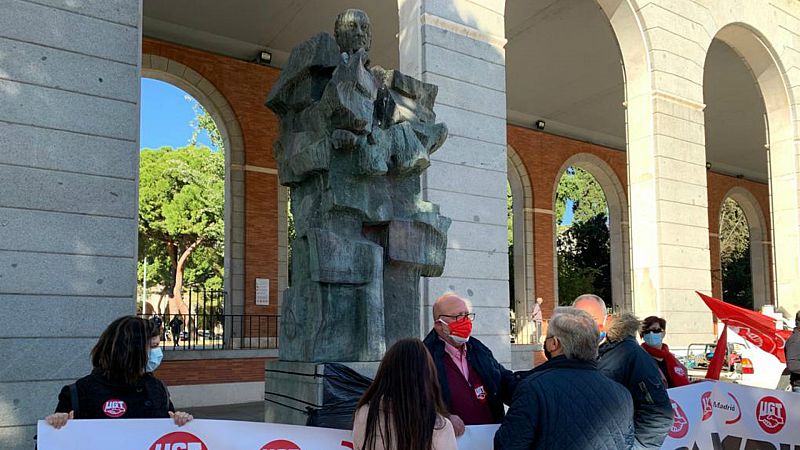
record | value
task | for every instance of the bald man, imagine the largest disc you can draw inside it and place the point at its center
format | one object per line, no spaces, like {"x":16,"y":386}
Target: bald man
{"x":474,"y":385}
{"x":624,"y":361}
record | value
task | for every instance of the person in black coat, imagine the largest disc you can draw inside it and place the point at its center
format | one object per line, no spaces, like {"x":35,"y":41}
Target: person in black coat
{"x":474,"y":385}
{"x":566,"y":403}
{"x":624,"y":361}
{"x":121,"y":384}
{"x":792,"y":352}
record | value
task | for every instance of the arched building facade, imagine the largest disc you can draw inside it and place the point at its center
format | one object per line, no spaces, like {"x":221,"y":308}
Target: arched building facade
{"x":619,"y":86}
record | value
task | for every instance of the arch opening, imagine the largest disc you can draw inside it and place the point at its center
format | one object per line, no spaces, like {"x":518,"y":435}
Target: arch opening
{"x":213,"y":111}
{"x":521,"y":267}
{"x":591,"y":240}
{"x":750,"y":134}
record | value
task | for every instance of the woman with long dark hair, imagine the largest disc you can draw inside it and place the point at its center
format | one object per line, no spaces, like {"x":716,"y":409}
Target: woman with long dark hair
{"x":403,"y":409}
{"x":121,"y":385}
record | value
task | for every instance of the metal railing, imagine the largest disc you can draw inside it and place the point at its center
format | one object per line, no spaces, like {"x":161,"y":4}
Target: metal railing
{"x":527,"y":331}
{"x":206,"y":327}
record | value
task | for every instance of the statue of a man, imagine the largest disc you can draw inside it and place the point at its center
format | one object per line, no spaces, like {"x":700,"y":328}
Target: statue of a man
{"x":353,"y":31}
{"x":354,"y":141}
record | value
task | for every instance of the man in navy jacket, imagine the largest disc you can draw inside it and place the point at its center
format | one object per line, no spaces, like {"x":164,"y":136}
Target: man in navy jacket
{"x":623,"y":360}
{"x":566,"y":403}
{"x":474,"y":385}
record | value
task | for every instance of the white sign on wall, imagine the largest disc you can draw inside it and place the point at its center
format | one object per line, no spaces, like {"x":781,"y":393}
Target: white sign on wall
{"x":262,"y":291}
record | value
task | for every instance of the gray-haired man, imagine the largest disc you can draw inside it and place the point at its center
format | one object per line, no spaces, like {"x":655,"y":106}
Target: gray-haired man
{"x":566,"y":403}
{"x":624,"y":361}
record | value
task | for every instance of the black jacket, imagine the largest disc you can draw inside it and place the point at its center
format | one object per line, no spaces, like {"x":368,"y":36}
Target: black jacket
{"x":792,"y":351}
{"x":567,"y":404}
{"x":101,"y":398}
{"x":625,"y":362}
{"x":498,"y":381}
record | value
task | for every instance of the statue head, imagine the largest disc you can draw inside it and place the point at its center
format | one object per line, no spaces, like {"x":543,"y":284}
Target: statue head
{"x":353,"y":31}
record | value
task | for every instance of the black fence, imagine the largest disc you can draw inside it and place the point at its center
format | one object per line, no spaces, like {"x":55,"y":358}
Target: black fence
{"x":207,"y":327}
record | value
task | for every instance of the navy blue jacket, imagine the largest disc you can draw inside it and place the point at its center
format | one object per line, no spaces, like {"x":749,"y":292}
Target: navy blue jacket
{"x":625,"y":362}
{"x":498,"y":381}
{"x":567,"y":404}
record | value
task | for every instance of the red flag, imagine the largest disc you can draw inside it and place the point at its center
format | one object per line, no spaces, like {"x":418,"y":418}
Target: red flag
{"x":720,"y":352}
{"x":751,"y":325}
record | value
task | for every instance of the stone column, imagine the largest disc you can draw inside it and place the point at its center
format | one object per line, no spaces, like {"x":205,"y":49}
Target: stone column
{"x":69,"y":142}
{"x":458,"y":45}
{"x":667,"y":175}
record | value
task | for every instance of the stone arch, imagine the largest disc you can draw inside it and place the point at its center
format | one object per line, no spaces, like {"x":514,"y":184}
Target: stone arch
{"x":522,"y":207}
{"x":759,"y":244}
{"x":770,"y":76}
{"x":187,"y":79}
{"x":618,"y":225}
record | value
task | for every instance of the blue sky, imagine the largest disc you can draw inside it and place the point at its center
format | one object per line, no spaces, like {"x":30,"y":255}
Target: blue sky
{"x":166,"y":115}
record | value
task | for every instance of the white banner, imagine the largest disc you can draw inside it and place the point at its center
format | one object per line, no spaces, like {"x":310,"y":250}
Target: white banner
{"x":713,"y":416}
{"x":726,"y":416}
{"x":199,"y":434}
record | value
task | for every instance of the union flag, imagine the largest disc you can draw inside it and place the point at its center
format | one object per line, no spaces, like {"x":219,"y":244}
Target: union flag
{"x":751,"y":325}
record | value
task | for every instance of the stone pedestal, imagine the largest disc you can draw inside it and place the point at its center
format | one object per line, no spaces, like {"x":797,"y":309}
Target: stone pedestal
{"x":291,"y":387}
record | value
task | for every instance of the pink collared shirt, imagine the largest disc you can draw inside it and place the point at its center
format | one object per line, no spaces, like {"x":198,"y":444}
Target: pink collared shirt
{"x":459,"y":356}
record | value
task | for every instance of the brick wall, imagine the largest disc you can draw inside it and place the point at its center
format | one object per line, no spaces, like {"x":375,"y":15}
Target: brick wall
{"x":544,"y":156}
{"x":208,"y":371}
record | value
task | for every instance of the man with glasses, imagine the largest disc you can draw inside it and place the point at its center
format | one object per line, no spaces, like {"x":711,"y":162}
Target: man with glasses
{"x":474,"y":385}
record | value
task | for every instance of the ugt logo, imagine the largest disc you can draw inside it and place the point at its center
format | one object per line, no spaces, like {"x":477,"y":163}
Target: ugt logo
{"x":680,"y":426}
{"x":178,"y":440}
{"x":708,"y":409}
{"x":114,"y":408}
{"x":771,"y":414}
{"x":280,"y":444}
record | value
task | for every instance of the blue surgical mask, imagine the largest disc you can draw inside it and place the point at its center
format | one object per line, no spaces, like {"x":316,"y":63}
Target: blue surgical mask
{"x":653,"y":339}
{"x":154,"y":359}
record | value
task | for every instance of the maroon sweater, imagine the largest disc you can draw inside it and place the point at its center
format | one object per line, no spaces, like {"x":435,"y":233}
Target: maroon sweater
{"x":464,"y":395}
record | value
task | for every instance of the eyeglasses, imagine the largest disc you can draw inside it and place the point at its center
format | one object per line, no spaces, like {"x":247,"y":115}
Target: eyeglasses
{"x":657,"y":330}
{"x":459,"y":317}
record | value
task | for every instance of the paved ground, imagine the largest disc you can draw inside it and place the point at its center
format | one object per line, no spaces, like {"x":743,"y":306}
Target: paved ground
{"x":251,"y":412}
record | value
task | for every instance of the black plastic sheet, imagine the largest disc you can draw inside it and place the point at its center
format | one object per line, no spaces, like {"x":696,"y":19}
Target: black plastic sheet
{"x":342,"y":387}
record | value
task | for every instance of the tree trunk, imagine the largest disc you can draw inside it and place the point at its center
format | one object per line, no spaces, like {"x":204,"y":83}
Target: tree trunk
{"x":177,"y":290}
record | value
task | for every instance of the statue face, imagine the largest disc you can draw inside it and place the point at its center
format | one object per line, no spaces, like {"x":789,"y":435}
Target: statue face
{"x":353,"y":31}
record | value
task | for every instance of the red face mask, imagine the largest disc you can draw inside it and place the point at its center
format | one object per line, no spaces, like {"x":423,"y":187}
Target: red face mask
{"x":460,"y":328}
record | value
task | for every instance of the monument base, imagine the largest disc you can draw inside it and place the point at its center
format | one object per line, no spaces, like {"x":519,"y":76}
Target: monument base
{"x":292,"y":387}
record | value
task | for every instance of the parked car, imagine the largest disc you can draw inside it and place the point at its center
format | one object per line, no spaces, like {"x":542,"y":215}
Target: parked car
{"x":745,"y":363}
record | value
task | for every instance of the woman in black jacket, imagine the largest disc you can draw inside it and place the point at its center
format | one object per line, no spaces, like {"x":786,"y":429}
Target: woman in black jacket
{"x":121,"y":385}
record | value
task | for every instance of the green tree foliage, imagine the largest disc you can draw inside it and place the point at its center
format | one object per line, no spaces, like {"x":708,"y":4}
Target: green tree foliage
{"x":584,"y":260}
{"x":734,"y":236}
{"x":203,"y":122}
{"x":181,"y":228}
{"x":583,"y":246}
{"x":588,"y":199}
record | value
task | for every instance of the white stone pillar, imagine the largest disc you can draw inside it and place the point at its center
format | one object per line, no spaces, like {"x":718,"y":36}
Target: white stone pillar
{"x":458,"y":45}
{"x":667,"y":174}
{"x":69,"y":155}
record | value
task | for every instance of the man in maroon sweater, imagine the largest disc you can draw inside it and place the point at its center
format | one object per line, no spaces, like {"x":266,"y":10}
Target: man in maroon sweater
{"x":474,"y":385}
